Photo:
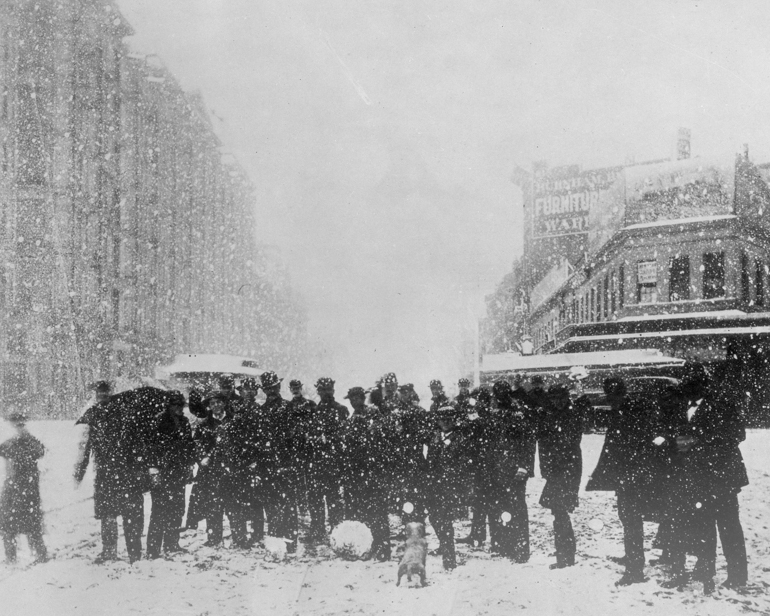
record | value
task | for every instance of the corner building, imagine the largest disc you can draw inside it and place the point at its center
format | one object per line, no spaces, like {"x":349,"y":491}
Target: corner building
{"x":677,"y":258}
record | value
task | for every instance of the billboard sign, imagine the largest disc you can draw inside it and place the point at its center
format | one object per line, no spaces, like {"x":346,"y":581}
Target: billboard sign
{"x":563,"y":197}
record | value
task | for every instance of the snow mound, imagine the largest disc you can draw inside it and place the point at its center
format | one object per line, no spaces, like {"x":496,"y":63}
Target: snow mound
{"x":276,"y":548}
{"x":351,"y":540}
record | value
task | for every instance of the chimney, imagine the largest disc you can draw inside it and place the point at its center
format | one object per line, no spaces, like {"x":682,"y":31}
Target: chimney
{"x":683,"y":144}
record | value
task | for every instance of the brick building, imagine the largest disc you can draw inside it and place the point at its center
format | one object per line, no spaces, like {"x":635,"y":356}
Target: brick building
{"x":676,"y":258}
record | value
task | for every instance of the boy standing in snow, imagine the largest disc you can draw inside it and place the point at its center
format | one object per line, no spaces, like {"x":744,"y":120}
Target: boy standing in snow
{"x":20,"y":511}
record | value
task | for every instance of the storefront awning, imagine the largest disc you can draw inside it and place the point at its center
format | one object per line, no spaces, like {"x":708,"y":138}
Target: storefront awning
{"x":510,"y":362}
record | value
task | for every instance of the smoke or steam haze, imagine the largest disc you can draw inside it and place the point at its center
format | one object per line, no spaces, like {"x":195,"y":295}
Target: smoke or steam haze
{"x":381,"y":136}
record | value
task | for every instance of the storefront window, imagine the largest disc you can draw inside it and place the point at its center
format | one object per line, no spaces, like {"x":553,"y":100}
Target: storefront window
{"x":679,"y":278}
{"x":713,"y":275}
{"x":646,"y":282}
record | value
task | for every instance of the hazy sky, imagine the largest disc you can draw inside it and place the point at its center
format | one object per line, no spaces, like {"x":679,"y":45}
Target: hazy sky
{"x":381,"y":136}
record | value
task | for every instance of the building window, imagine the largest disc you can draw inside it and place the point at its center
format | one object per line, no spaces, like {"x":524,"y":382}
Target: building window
{"x":621,"y":286}
{"x":713,"y":275}
{"x":599,"y":293}
{"x":606,"y":297}
{"x":646,"y":282}
{"x":745,"y":282}
{"x":679,"y":278}
{"x":614,"y":294}
{"x":759,"y":282}
{"x":592,"y":315}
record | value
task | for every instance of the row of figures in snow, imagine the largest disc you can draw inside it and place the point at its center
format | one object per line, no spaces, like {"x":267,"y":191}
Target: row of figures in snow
{"x":674,"y":460}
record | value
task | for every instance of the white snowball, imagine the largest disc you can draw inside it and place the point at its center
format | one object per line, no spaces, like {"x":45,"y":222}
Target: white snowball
{"x":351,"y":540}
{"x":275,"y":547}
{"x":408,"y":507}
{"x":596,"y":525}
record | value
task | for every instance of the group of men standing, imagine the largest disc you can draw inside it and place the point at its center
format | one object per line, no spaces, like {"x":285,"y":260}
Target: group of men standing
{"x":675,"y":459}
{"x":267,"y":462}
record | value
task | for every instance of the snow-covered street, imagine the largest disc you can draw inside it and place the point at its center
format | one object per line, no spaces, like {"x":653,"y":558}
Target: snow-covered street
{"x":224,"y":581}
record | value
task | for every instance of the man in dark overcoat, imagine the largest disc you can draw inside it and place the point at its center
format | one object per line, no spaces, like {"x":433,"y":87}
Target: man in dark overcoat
{"x":172,"y":455}
{"x":364,"y":458}
{"x":559,"y":433}
{"x":301,"y":409}
{"x":632,"y":463}
{"x":478,"y":427}
{"x":707,"y":474}
{"x":20,"y":509}
{"x":321,"y":430}
{"x":206,"y":499}
{"x":406,"y":429}
{"x":509,"y":465}
{"x":122,"y":473}
{"x":281,"y":429}
{"x":447,"y":471}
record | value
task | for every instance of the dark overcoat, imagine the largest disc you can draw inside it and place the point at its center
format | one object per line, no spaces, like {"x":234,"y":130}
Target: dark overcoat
{"x":561,"y":459}
{"x":20,"y":510}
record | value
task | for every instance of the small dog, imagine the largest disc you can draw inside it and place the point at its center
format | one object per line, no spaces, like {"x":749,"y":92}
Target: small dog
{"x":416,"y":550}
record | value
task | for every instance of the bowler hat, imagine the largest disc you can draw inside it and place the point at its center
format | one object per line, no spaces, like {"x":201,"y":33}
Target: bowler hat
{"x":101,"y":386}
{"x":249,"y":383}
{"x":18,"y":418}
{"x":355,"y":391}
{"x":269,"y":379}
{"x":176,"y":398}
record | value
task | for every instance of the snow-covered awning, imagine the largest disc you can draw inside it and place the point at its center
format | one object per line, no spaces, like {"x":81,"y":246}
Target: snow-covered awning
{"x":510,"y":362}
{"x":681,"y":221}
{"x":194,"y":364}
{"x":754,"y":330}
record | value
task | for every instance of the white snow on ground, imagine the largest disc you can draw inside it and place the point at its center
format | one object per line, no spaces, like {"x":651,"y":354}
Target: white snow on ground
{"x":223,"y":581}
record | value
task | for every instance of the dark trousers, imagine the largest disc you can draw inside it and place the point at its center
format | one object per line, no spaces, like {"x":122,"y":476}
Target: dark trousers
{"x":563,"y":537}
{"x":165,"y":518}
{"x":36,"y":543}
{"x":410,"y":490}
{"x":235,"y":515}
{"x":132,"y":512}
{"x":479,"y":511}
{"x":281,"y":508}
{"x":630,"y":514}
{"x":727,"y":514}
{"x":323,"y":490}
{"x":255,"y":514}
{"x":512,"y":537}
{"x":442,"y":518}
{"x":694,"y":531}
{"x":370,"y":506}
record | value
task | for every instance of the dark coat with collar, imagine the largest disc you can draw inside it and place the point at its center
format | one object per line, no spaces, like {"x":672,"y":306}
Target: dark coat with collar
{"x":448,"y":468}
{"x":629,"y":458}
{"x":512,"y":440}
{"x":561,"y":459}
{"x":718,"y":428}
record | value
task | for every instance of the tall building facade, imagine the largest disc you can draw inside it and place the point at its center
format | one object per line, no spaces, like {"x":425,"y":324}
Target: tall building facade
{"x":126,"y":235}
